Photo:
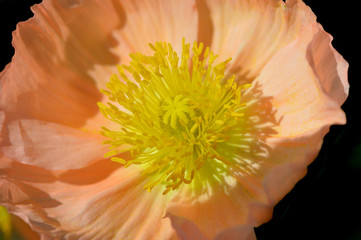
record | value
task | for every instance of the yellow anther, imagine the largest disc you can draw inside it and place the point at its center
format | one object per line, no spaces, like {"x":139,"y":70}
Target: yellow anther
{"x":195,"y":126}
{"x":219,"y":122}
{"x":118,"y":160}
{"x":234,"y":114}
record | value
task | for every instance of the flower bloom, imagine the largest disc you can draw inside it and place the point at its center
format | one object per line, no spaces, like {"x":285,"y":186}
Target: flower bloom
{"x":184,"y":141}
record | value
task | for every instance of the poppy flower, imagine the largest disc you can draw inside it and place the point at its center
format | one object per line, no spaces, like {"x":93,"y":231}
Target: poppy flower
{"x":114,"y":126}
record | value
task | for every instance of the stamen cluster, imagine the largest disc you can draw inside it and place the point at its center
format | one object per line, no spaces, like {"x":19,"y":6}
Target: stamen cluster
{"x":172,"y":113}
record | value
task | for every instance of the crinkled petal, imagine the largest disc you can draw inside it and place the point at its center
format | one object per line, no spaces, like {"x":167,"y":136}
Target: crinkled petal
{"x":23,"y":228}
{"x":186,"y":230}
{"x":288,"y":161}
{"x":251,"y":32}
{"x":146,"y":22}
{"x":69,"y":49}
{"x":239,"y":233}
{"x":298,"y":95}
{"x":159,"y":20}
{"x":306,"y":104}
{"x":51,"y":146}
{"x":328,"y":65}
{"x":44,"y":81}
{"x":224,"y":209}
{"x":75,"y":205}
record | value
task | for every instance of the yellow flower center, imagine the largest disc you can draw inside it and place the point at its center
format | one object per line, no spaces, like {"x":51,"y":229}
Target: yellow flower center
{"x":174,"y":114}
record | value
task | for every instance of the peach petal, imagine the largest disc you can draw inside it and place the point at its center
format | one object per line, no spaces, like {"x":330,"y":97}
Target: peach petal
{"x":41,"y":82}
{"x":221,"y":212}
{"x":239,"y":233}
{"x":159,"y":20}
{"x":251,"y":32}
{"x":2,"y":120}
{"x":60,"y":62}
{"x":186,"y":230}
{"x":298,"y":95}
{"x":23,"y":228}
{"x":329,"y":66}
{"x":51,"y":146}
{"x":115,"y":207}
{"x":147,"y":22}
{"x":250,"y":202}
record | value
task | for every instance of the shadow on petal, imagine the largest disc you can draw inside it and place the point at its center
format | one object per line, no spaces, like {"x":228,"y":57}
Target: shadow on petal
{"x":186,"y":230}
{"x":248,"y":150}
{"x":328,"y":65}
{"x":85,"y":46}
{"x":21,"y":198}
{"x":205,"y":25}
{"x":90,"y":174}
{"x":230,"y":194}
{"x":28,"y":173}
{"x":50,"y":76}
{"x":245,"y":232}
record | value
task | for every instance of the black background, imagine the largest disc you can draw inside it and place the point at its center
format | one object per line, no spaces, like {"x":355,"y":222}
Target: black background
{"x":326,"y":203}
